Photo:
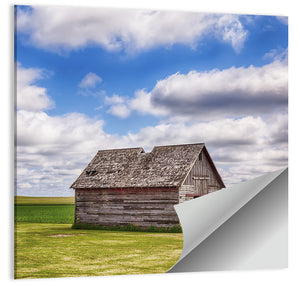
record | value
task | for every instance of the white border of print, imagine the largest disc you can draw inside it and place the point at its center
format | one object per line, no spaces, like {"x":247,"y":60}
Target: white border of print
{"x":288,"y":276}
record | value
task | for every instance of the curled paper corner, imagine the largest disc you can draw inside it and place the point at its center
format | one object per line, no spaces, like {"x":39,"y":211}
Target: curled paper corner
{"x":240,"y":227}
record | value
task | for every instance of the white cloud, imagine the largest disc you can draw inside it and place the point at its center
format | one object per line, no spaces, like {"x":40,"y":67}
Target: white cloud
{"x":91,"y":80}
{"x":142,"y":103}
{"x":217,"y":93}
{"x":115,"y":99}
{"x":29,"y":95}
{"x":52,"y":150}
{"x":218,"y":133}
{"x":231,"y":31}
{"x":68,"y":129}
{"x":241,"y":148}
{"x":122,"y":106}
{"x":132,"y":30}
{"x":118,"y":106}
{"x":278,"y":54}
{"x":119,"y":110}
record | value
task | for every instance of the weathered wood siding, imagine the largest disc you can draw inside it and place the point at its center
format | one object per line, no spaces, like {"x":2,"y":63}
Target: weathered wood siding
{"x":186,"y":193}
{"x":202,"y":177}
{"x":119,"y":207}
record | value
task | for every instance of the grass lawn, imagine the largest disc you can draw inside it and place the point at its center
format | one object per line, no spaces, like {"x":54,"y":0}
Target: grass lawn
{"x":55,"y":250}
{"x":46,"y":246}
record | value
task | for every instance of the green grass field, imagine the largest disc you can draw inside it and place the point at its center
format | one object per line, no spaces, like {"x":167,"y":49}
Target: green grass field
{"x":46,"y":246}
{"x":44,"y":209}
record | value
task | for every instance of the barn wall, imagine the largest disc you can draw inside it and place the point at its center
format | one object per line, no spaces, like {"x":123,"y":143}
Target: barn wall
{"x":119,"y":207}
{"x":202,"y":177}
{"x":186,"y":193}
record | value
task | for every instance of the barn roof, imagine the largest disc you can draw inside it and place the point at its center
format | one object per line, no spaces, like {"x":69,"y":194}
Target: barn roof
{"x":164,"y":166}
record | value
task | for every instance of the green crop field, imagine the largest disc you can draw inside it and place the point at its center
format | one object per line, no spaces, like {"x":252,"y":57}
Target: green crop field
{"x":44,"y":213}
{"x":46,"y":246}
{"x":44,"y":209}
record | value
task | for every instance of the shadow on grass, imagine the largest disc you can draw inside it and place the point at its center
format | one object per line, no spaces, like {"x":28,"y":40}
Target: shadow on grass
{"x":128,"y":227}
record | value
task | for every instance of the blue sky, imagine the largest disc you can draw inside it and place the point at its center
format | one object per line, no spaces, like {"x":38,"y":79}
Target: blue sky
{"x":94,"y":78}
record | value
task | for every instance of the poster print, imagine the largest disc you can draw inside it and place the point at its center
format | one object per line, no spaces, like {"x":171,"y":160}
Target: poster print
{"x":172,"y":88}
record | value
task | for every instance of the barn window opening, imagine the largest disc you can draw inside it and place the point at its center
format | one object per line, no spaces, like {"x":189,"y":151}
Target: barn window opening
{"x":200,"y":156}
{"x":91,"y":173}
{"x":195,"y":197}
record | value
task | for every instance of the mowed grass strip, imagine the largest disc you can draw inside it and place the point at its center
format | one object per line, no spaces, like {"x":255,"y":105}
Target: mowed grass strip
{"x":22,"y":200}
{"x":55,"y":250}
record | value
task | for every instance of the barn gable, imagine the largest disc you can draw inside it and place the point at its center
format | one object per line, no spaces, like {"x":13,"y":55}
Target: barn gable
{"x":203,"y":178}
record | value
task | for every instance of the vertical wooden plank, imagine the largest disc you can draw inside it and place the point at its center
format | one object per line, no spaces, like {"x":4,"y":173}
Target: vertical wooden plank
{"x":202,"y":168}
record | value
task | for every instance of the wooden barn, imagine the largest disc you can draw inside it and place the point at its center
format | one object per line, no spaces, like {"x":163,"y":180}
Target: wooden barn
{"x":130,"y":186}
